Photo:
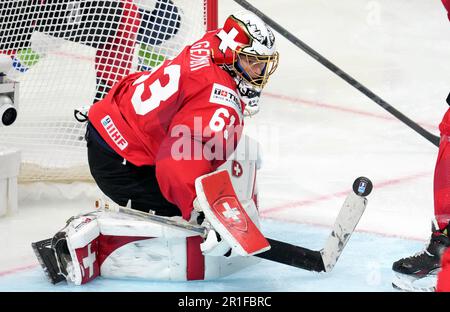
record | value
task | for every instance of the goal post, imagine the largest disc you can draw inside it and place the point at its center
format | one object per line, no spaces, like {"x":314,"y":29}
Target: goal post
{"x":67,"y":54}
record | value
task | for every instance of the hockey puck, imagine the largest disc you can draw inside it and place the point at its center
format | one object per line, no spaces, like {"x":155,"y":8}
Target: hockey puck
{"x":362,"y":186}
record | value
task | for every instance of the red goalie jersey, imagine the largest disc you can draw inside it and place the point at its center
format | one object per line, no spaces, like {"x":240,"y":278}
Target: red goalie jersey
{"x":185,"y":118}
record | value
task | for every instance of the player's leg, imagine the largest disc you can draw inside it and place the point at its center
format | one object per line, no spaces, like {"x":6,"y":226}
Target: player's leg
{"x":115,"y":246}
{"x":428,"y":262}
{"x":442,"y":182}
{"x":122,"y":181}
{"x":443,"y":282}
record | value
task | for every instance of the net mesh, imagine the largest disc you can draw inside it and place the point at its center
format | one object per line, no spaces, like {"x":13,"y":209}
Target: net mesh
{"x":67,"y":54}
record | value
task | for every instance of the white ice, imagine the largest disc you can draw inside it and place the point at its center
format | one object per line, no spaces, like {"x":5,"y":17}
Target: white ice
{"x":318,"y":135}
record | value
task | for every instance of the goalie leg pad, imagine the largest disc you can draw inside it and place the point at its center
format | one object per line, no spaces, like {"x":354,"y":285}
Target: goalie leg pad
{"x":76,"y":248}
{"x":71,"y":254}
{"x":83,"y":248}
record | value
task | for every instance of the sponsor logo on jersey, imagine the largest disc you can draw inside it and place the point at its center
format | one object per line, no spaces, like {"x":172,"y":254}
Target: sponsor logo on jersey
{"x":114,"y":133}
{"x":225,"y":96}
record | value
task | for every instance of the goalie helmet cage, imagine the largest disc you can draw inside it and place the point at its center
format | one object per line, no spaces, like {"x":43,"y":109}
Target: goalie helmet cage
{"x":68,"y":53}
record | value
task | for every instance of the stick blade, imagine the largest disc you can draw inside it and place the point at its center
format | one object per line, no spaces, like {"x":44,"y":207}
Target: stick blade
{"x":349,"y":216}
{"x":47,"y":260}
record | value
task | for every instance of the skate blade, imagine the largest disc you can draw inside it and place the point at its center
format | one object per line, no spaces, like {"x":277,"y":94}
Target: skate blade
{"x":409,"y":283}
{"x":47,"y":260}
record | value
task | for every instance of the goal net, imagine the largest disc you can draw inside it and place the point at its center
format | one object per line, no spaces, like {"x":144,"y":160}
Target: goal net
{"x":67,"y":54}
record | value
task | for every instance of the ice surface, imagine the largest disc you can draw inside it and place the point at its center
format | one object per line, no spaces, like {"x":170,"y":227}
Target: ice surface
{"x":364,"y":266}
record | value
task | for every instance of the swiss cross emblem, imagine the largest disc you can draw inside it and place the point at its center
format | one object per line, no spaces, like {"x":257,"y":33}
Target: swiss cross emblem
{"x":229,"y":211}
{"x":88,"y":263}
{"x":236,"y":169}
{"x":228,"y":39}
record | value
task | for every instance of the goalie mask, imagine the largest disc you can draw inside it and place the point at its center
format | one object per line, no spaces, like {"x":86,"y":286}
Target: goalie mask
{"x":247,"y":50}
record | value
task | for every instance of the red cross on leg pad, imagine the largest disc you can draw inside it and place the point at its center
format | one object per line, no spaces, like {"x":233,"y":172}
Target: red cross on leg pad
{"x":227,"y":216}
{"x":87,"y":261}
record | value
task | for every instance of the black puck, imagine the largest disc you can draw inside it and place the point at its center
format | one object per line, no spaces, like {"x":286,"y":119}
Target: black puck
{"x":362,"y":186}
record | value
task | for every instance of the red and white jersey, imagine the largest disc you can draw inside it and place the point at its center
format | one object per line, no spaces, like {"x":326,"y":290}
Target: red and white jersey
{"x":169,"y":117}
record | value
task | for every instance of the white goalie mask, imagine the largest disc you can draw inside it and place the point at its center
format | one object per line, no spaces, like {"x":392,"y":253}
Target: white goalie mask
{"x":247,"y":48}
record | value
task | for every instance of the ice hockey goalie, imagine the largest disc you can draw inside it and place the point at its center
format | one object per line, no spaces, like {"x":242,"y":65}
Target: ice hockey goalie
{"x":162,"y":140}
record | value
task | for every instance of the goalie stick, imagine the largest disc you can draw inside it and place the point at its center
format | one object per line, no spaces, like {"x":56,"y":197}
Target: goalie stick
{"x":323,"y":260}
